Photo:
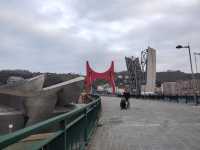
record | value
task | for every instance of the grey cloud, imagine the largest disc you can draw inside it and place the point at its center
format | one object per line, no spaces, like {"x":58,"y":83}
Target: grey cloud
{"x":63,"y":37}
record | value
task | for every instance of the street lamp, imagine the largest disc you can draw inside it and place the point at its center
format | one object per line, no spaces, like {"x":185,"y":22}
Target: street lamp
{"x":188,"y":47}
{"x":195,"y":54}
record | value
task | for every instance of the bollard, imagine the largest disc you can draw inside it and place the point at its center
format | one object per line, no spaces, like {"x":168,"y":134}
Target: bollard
{"x":10,"y":126}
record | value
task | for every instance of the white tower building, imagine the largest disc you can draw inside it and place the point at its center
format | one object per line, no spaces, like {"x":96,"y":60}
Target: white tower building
{"x":150,"y":71}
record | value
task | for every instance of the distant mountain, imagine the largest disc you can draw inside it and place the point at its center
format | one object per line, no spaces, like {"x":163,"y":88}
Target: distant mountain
{"x":171,"y":76}
{"x":51,"y":78}
{"x":54,"y":78}
{"x":168,"y":76}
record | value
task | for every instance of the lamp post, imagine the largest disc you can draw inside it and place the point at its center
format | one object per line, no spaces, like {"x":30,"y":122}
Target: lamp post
{"x":195,"y":54}
{"x":193,"y":77}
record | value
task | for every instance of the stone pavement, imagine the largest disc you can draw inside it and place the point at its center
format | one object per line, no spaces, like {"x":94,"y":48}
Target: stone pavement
{"x":147,"y":125}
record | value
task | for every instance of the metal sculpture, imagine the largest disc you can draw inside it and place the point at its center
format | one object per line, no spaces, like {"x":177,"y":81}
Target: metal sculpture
{"x":92,"y":75}
{"x":143,"y":62}
{"x":135,"y":73}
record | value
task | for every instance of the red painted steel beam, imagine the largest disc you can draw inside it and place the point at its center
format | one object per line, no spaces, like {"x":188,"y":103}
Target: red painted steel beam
{"x":92,"y":75}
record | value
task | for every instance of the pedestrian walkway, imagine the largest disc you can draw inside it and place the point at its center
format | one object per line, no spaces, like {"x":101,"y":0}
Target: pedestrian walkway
{"x":147,"y":125}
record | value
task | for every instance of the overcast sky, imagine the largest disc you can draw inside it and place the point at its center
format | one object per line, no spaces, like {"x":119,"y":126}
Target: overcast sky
{"x":60,"y":35}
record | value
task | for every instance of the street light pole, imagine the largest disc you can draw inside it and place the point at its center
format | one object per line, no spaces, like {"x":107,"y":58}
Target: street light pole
{"x":193,"y":77}
{"x":195,"y":60}
{"x":195,"y":54}
{"x":190,"y":61}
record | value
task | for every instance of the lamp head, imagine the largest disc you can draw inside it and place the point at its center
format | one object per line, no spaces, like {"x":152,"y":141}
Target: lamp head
{"x":195,"y":53}
{"x":179,"y":46}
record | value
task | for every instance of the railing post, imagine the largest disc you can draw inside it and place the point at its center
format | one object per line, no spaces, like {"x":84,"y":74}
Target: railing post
{"x":63,"y":127}
{"x":86,"y":128}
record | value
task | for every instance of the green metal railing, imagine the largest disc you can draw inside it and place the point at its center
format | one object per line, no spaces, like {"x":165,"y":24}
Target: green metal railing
{"x":74,"y":130}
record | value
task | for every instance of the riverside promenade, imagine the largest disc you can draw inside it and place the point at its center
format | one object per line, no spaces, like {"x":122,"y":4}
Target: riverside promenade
{"x":147,"y":125}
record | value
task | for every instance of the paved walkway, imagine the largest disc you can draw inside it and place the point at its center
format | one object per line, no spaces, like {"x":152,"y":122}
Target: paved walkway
{"x":148,"y":125}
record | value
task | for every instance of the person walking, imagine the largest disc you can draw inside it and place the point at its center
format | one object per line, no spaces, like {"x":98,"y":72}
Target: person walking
{"x":127,"y":95}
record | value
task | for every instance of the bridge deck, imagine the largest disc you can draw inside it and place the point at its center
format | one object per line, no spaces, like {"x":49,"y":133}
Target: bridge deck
{"x":148,"y":125}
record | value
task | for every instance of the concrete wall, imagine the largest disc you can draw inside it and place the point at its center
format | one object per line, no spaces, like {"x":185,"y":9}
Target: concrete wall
{"x":187,"y":87}
{"x":16,"y":102}
{"x":169,"y":88}
{"x":181,"y":88}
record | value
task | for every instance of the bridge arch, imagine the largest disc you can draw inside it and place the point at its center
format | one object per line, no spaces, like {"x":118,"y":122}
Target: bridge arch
{"x":92,"y":75}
